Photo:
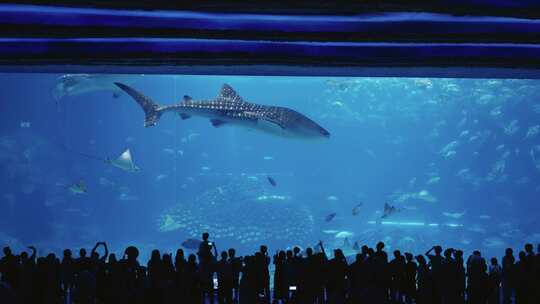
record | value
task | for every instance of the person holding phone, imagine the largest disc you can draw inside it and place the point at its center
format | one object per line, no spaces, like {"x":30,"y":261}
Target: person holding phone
{"x":207,"y":261}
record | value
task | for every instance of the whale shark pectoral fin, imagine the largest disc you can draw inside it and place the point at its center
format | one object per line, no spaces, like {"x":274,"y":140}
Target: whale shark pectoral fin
{"x":229,"y":94}
{"x":216,"y":122}
{"x":274,"y":122}
{"x":184,"y":116}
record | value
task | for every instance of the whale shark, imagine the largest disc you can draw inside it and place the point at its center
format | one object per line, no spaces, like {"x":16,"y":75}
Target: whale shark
{"x":228,"y":108}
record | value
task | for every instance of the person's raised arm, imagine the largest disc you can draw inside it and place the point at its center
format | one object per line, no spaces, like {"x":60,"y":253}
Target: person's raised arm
{"x":33,"y":256}
{"x":428,"y":252}
{"x":215,"y":250}
{"x":104,"y":257}
{"x":322,"y":249}
{"x":95,"y":248}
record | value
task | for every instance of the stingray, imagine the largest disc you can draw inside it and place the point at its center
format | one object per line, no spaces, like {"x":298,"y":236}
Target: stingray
{"x":124,"y":162}
{"x":76,"y":188}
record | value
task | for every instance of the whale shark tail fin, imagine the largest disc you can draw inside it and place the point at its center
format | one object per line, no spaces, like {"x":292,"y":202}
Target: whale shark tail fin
{"x":151,"y":109}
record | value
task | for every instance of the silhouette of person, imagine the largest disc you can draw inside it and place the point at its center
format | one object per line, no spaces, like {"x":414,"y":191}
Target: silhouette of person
{"x":179,"y":268}
{"x":357,"y":279}
{"x":155,"y":271}
{"x":337,"y":272}
{"x":27,"y":267}
{"x":225,"y":279}
{"x":425,"y":282}
{"x":129,"y":273}
{"x":263,"y":262}
{"x":435,"y":263}
{"x":449,"y":278}
{"x":236,"y":265}
{"x":495,"y":278}
{"x":530,"y":275}
{"x":206,"y":267}
{"x":191,"y":280}
{"x":381,"y":274}
{"x":281,"y":284}
{"x":508,"y":275}
{"x":308,"y":284}
{"x":460,"y":276}
{"x":409,"y":284}
{"x":9,"y":269}
{"x":167,"y":278}
{"x":477,"y":278}
{"x":248,"y":282}
{"x":67,"y":268}
{"x":397,"y":273}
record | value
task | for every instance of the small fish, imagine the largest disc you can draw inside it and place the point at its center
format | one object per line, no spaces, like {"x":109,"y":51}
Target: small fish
{"x":105,"y":182}
{"x":78,"y":188}
{"x":25,"y":124}
{"x":271,"y":181}
{"x":433,"y":180}
{"x":389,"y":210}
{"x":161,"y":177}
{"x":330,"y":217}
{"x":455,"y":215}
{"x":191,"y":244}
{"x":532,"y":131}
{"x":168,"y":151}
{"x":356,"y":209}
{"x":330,"y":231}
{"x":332,"y":198}
{"x":127,"y":197}
{"x":343,"y":234}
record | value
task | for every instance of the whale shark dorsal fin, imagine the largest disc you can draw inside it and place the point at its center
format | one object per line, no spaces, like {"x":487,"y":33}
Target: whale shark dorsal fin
{"x":187,"y":98}
{"x":229,"y":94}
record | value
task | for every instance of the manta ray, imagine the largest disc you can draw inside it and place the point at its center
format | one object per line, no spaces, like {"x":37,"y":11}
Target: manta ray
{"x":124,"y":162}
{"x":76,"y":188}
{"x":78,"y":84}
{"x":229,"y":108}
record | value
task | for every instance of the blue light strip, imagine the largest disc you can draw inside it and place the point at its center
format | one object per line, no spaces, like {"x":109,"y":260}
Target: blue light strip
{"x":405,"y":22}
{"x":266,"y":44}
{"x":346,"y":50}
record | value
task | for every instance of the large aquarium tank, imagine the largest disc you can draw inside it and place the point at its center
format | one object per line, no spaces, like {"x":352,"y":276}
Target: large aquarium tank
{"x":412,"y":162}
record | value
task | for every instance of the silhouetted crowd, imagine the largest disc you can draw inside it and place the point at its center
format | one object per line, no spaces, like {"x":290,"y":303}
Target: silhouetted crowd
{"x":300,"y":277}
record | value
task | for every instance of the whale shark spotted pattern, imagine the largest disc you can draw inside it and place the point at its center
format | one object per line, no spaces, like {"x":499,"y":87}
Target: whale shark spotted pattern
{"x":229,"y":108}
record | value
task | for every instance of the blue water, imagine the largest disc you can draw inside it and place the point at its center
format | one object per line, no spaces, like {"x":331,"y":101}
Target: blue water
{"x":458,"y":158}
